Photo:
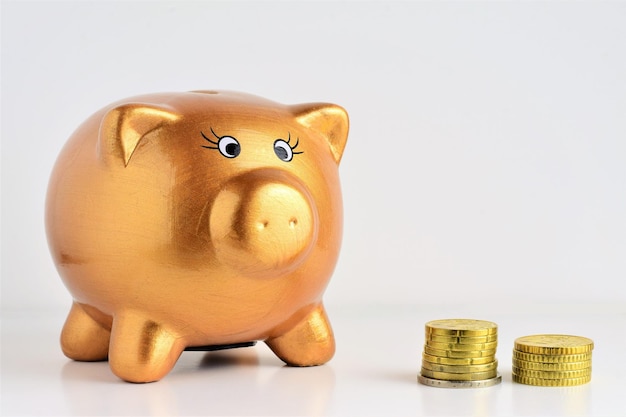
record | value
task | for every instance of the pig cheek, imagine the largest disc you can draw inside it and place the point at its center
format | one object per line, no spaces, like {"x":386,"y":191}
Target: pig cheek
{"x":263,"y":231}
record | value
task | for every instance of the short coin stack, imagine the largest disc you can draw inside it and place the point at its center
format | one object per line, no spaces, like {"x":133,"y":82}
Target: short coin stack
{"x":552,"y":360}
{"x":460,"y":353}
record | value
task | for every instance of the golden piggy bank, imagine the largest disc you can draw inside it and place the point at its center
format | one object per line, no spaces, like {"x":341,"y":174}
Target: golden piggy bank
{"x":200,"y":219}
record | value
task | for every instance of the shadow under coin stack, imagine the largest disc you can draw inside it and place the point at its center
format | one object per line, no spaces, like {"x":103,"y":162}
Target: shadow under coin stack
{"x":552,"y":360}
{"x":460,"y":353}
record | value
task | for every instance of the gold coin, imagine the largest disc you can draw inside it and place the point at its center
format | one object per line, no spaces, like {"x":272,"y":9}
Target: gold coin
{"x":459,"y":369}
{"x":461,"y":339}
{"x":531,"y":357}
{"x":459,"y":353}
{"x":565,"y":382}
{"x":461,"y":327}
{"x":447,"y":376}
{"x":529,"y":373}
{"x":539,"y":366}
{"x":554,"y":344}
{"x":464,"y":346}
{"x":457,"y":361}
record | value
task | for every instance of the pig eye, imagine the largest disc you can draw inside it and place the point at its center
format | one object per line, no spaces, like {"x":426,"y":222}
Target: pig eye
{"x":227,"y":145}
{"x":283,"y":149}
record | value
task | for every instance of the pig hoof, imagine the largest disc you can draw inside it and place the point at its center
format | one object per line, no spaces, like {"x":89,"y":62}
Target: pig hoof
{"x":82,"y":338}
{"x":142,"y":350}
{"x":309,"y":343}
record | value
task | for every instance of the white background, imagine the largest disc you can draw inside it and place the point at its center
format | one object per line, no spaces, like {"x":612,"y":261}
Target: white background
{"x":485,"y":168}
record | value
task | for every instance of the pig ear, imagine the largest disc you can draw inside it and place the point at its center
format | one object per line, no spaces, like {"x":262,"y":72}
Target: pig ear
{"x":123,"y":127}
{"x":328,"y":119}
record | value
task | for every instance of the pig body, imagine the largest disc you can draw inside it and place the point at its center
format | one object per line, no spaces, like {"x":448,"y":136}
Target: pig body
{"x":180,"y":220}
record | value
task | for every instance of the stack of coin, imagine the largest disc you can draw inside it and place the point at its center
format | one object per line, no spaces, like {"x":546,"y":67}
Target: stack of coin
{"x":552,"y":360}
{"x":460,"y":353}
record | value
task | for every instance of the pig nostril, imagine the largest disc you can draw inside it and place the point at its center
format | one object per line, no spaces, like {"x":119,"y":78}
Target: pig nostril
{"x":293,"y":222}
{"x":262,"y":224}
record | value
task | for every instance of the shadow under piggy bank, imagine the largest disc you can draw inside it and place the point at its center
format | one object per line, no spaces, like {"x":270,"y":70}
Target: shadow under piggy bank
{"x":225,"y":382}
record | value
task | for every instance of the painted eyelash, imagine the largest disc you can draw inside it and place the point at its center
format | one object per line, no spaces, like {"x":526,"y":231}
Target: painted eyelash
{"x":294,"y":146}
{"x":209,"y":140}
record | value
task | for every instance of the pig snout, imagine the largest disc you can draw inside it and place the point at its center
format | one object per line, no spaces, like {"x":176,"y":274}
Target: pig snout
{"x":263,"y":223}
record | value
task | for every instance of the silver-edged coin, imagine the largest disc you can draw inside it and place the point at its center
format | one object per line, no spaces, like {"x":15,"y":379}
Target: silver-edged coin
{"x":431,"y":382}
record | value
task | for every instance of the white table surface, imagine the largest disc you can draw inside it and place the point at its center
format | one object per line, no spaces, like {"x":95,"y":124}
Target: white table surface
{"x":373,"y":373}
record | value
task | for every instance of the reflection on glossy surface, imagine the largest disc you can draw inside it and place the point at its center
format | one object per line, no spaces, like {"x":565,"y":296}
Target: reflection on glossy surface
{"x":237,"y":382}
{"x":564,"y":401}
{"x":468,"y":401}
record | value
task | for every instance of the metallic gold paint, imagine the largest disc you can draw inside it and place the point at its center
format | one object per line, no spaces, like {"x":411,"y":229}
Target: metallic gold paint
{"x":166,"y":244}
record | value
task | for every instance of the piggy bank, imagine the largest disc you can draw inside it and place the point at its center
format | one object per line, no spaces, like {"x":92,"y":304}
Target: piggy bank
{"x":197,"y":220}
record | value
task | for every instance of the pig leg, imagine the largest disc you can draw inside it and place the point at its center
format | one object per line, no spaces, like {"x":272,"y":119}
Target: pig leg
{"x":83,"y":338}
{"x":309,"y":343}
{"x":141,"y":349}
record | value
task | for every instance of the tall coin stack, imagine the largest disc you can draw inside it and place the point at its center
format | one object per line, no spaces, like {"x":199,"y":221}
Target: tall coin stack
{"x":552,"y":360}
{"x":460,"y":353}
